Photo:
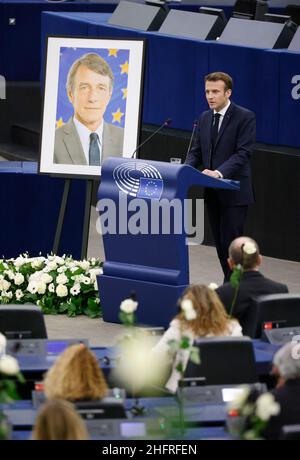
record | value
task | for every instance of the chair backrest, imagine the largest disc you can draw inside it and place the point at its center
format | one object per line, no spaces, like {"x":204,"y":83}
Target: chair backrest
{"x":290,"y":432}
{"x":22,"y":322}
{"x":224,"y":360}
{"x":283,"y":310}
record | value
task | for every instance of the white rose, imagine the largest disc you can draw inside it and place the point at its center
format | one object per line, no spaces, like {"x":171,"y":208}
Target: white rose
{"x":85,"y":265}
{"x":61,"y":290}
{"x":10,"y":274}
{"x":52,"y":265}
{"x":190,"y":314}
{"x":51,"y":287}
{"x":36,"y":263}
{"x":19,"y":294}
{"x":4,"y":285}
{"x":20,"y":261}
{"x":7,"y":294}
{"x":266,"y":406}
{"x":2,"y":344}
{"x":19,"y":279}
{"x":9,"y":365}
{"x":187,"y":304}
{"x":213,"y":286}
{"x":128,"y":306}
{"x":249,"y":248}
{"x":73,"y":268}
{"x":46,"y":278}
{"x":62,"y":269}
{"x":62,"y":279}
{"x":75,"y":289}
{"x":41,"y":287}
{"x":94,"y":272}
{"x":59,"y":260}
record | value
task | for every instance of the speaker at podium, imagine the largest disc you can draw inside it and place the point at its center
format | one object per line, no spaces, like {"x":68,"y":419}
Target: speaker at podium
{"x":147,"y":17}
{"x":200,"y":26}
{"x":258,"y":34}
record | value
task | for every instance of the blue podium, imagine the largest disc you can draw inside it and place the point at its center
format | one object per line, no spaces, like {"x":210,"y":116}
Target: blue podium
{"x":143,"y":212}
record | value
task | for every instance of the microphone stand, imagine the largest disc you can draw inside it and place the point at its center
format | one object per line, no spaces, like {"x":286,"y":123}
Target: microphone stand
{"x":165,"y":123}
{"x":192,"y":138}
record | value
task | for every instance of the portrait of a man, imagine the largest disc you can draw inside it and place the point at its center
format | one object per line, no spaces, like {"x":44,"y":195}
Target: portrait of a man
{"x":86,"y":138}
{"x":92,"y":103}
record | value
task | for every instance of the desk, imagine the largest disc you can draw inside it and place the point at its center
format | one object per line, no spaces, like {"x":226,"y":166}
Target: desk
{"x":175,"y":69}
{"x":30,"y":203}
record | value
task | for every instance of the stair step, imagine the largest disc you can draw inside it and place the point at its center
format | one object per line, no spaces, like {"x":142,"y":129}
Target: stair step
{"x":26,"y":134}
{"x":16,"y":152}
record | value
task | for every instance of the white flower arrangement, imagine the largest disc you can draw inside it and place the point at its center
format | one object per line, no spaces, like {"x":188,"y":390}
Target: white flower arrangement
{"x":56,"y":284}
{"x":252,"y":411}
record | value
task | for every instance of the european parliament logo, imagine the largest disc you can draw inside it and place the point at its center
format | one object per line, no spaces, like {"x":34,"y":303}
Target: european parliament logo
{"x":139,"y":180}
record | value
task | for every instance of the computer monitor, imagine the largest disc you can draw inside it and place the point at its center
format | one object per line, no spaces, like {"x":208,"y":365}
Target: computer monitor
{"x":279,"y":18}
{"x":250,"y":9}
{"x":22,"y":322}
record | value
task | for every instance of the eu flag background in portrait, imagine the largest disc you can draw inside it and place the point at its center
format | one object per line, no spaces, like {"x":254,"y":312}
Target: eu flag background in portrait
{"x":118,"y":60}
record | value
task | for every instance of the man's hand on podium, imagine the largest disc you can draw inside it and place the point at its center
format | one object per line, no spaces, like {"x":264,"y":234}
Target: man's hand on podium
{"x":211,"y":173}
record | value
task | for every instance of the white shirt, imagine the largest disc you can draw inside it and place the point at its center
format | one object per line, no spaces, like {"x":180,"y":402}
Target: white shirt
{"x":84,"y":136}
{"x":174,"y":332}
{"x":222,"y":113}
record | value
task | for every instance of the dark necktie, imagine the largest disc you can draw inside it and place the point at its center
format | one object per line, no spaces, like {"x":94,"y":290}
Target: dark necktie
{"x":214,"y":130}
{"x":94,"y":151}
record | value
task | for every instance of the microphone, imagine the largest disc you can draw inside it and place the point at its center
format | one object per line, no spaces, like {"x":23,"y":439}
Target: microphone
{"x":195,"y":124}
{"x":167,"y":122}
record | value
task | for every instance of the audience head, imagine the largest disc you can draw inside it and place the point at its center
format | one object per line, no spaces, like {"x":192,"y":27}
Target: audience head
{"x":244,"y":251}
{"x":210,"y":314}
{"x":286,"y":362}
{"x":75,"y":376}
{"x":58,"y":420}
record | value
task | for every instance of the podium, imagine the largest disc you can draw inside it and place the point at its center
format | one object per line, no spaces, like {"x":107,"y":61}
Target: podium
{"x":143,"y":213}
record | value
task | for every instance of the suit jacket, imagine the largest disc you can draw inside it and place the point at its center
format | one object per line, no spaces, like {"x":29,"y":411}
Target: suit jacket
{"x":288,"y":396}
{"x":253,"y":284}
{"x":231,"y":154}
{"x":68,"y":148}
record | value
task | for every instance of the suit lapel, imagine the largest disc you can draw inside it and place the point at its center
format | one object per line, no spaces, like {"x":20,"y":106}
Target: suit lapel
{"x":225,"y":122}
{"x":73,"y":144}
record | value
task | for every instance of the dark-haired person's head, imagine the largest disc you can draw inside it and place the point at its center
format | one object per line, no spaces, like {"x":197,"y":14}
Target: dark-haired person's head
{"x":244,"y":251}
{"x":218,"y":89}
{"x":89,"y":87}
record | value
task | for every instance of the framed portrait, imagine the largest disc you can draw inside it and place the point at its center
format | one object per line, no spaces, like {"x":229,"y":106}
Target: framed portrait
{"x":92,"y":103}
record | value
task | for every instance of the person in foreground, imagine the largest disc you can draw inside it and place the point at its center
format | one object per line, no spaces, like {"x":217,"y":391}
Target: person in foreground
{"x":223,"y":144}
{"x":75,"y":376}
{"x":86,"y":139}
{"x":58,"y":420}
{"x":286,"y":367}
{"x":201,"y":315}
{"x":253,"y":283}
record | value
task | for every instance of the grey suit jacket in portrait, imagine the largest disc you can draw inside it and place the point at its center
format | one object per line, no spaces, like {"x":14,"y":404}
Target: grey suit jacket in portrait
{"x":68,"y":148}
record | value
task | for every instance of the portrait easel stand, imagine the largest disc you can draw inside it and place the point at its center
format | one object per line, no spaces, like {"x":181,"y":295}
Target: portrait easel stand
{"x":86,"y":221}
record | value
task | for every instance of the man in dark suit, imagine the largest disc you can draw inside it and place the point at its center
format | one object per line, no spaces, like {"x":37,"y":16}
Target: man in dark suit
{"x":253,"y":283}
{"x":223,"y":145}
{"x":86,"y":139}
{"x":286,"y":366}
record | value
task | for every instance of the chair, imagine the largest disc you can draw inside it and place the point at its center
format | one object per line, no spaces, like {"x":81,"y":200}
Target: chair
{"x":224,"y":361}
{"x":290,"y":432}
{"x":22,"y":322}
{"x":283,"y":310}
{"x":105,"y":408}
